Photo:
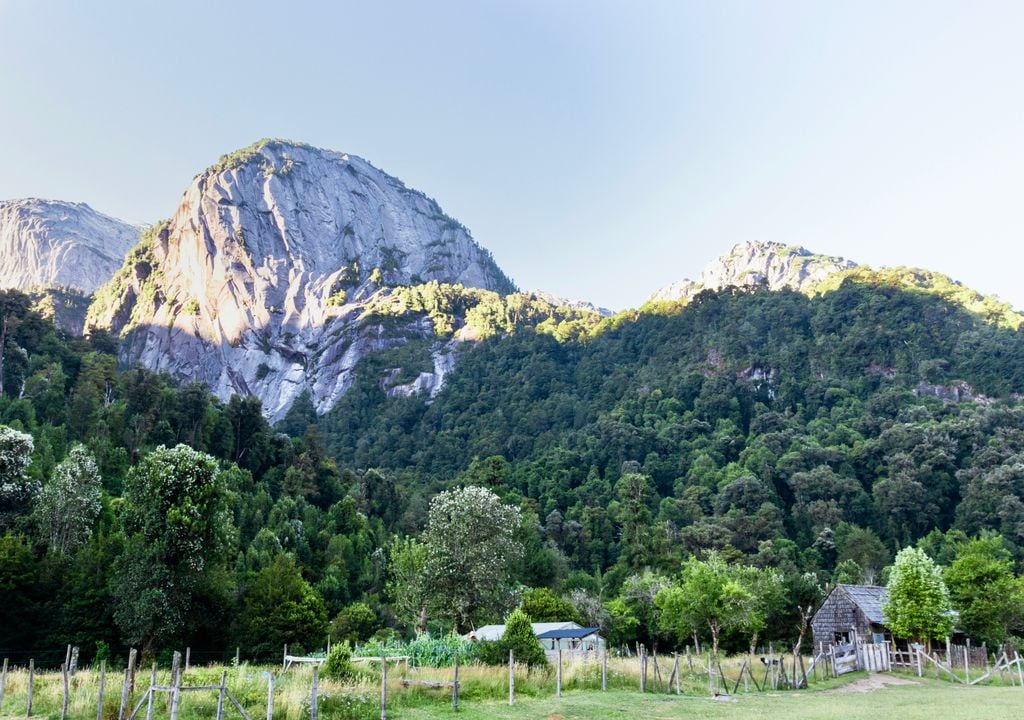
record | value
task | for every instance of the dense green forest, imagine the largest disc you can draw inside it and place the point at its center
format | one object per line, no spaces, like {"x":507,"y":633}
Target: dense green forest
{"x":813,"y":435}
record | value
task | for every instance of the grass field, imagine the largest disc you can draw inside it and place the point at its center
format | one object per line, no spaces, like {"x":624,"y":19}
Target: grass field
{"x":854,"y":697}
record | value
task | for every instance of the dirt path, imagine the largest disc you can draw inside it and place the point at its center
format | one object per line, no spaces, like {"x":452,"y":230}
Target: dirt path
{"x":874,"y":681}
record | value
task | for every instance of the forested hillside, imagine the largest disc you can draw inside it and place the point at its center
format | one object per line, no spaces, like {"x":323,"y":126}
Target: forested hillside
{"x":808,"y":434}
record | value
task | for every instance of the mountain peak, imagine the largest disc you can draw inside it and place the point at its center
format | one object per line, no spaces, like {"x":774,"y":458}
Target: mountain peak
{"x":257,"y":283}
{"x":54,"y":243}
{"x":753,"y":263}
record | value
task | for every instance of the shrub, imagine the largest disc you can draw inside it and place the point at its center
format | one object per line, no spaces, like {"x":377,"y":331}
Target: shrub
{"x":339,"y":662}
{"x":519,"y":638}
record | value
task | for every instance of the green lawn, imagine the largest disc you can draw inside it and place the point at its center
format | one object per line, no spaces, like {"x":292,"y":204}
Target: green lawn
{"x":925,"y":700}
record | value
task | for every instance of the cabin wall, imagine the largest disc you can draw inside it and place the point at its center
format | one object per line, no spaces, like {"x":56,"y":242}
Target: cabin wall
{"x":838,"y":616}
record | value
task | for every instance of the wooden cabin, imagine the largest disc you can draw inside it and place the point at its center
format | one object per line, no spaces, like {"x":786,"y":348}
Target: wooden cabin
{"x":851,"y":612}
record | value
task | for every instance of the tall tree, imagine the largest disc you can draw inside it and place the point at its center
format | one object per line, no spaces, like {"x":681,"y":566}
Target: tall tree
{"x":179,"y":531}
{"x":985,"y":592}
{"x":917,"y":606}
{"x":68,"y":505}
{"x":471,"y":547}
{"x":16,"y":489}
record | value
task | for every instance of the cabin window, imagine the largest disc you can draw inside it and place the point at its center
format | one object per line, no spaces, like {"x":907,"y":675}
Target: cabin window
{"x":842,"y":638}
{"x":878,"y":638}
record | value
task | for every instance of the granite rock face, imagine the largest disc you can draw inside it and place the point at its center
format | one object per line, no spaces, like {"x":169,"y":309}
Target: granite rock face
{"x":261,"y":281}
{"x":49,"y":243}
{"x":751,"y":264}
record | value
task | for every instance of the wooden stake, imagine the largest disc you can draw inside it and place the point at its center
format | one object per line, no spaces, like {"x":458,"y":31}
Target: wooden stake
{"x":312,"y":695}
{"x":604,"y":669}
{"x":558,"y":675}
{"x":103,"y":682}
{"x":221,"y":692}
{"x":132,"y":654}
{"x":675,"y":670}
{"x":3,"y":683}
{"x":188,"y":658}
{"x":284,"y":658}
{"x":270,"y":696}
{"x":73,"y":667}
{"x":64,"y":694}
{"x":455,"y":686}
{"x":125,"y":687}
{"x":175,"y":684}
{"x":383,"y":689}
{"x":967,"y":662}
{"x":511,"y":679}
{"x":1020,"y":675}
{"x":31,"y":682}
{"x":149,"y":700}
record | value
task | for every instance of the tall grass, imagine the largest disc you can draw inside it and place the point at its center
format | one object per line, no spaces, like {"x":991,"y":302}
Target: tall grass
{"x":359,"y":697}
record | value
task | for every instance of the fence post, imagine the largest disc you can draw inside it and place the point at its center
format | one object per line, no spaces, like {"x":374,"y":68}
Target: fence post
{"x":643,"y":668}
{"x":132,"y":654}
{"x":917,"y":649}
{"x":312,"y":695}
{"x":455,"y":685}
{"x":1020,"y":674}
{"x":675,"y":669}
{"x":175,"y":684}
{"x":188,"y":658}
{"x":64,"y":692}
{"x":149,"y":700}
{"x":103,"y":682}
{"x":604,"y":669}
{"x":220,"y":694}
{"x":558,"y":675}
{"x":31,"y":682}
{"x":124,"y":693}
{"x":284,"y":658}
{"x":73,"y":667}
{"x":270,"y":696}
{"x":511,"y":678}
{"x":967,"y":661}
{"x":383,"y":689}
{"x":3,"y":683}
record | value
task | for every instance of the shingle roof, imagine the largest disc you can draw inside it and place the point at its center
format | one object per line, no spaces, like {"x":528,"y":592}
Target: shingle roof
{"x":869,"y":598}
{"x":567,"y":633}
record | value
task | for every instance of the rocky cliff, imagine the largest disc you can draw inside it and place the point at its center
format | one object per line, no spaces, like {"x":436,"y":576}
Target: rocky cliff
{"x":749,"y":264}
{"x":48,"y":243}
{"x":260,"y":283}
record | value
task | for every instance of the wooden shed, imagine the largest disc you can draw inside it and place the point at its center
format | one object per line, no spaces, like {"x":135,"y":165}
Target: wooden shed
{"x":851,"y":612}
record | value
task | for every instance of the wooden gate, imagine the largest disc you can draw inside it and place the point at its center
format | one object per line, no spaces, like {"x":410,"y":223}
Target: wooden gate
{"x":874,"y":657}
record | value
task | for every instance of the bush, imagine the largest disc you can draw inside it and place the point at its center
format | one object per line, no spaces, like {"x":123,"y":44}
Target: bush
{"x":519,"y":638}
{"x":339,"y":662}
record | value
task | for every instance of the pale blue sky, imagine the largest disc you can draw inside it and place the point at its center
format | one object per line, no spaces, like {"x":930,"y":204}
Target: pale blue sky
{"x":599,"y":149}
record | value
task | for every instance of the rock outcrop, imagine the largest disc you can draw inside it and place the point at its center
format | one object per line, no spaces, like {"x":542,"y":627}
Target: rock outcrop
{"x":260,"y":283}
{"x":49,"y":243}
{"x":750,"y":264}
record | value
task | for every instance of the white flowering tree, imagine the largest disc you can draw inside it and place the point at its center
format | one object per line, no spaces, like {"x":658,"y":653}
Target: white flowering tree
{"x":917,"y":604}
{"x":471,"y":547}
{"x":179,"y":531}
{"x":68,"y":505}
{"x":16,"y":489}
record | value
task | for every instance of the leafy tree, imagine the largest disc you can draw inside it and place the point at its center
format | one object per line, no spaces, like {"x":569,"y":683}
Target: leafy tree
{"x":542,"y":605}
{"x":708,"y":596}
{"x":354,"y":624}
{"x":519,"y":638}
{"x":407,"y":584}
{"x":918,"y":605}
{"x":280,"y":607}
{"x":68,"y":505}
{"x":16,"y":489}
{"x":985,"y":592}
{"x":470,"y":547}
{"x":179,"y":530}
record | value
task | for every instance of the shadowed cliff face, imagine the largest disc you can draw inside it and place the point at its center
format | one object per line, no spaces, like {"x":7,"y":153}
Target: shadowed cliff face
{"x":259,"y":283}
{"x":774,"y":265}
{"x":49,"y":243}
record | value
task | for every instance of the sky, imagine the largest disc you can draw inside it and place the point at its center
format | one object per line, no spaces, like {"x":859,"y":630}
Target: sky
{"x":599,"y":149}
